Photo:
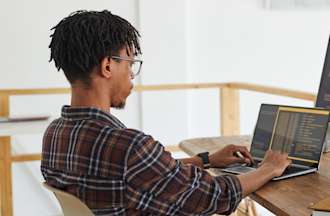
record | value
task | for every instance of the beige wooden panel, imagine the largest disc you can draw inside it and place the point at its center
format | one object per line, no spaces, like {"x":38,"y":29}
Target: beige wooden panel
{"x":4,"y":105}
{"x":6,"y":177}
{"x":229,"y":102}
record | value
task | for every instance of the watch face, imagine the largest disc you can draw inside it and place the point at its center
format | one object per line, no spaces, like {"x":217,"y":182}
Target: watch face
{"x":205,"y":159}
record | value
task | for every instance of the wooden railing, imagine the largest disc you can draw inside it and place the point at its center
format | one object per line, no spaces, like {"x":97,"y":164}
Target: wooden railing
{"x":229,"y":120}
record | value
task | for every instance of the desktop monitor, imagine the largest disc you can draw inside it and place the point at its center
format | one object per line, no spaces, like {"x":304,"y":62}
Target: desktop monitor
{"x":323,"y":95}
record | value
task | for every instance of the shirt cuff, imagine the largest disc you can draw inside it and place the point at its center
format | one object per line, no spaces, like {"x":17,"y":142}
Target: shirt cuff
{"x":235,"y":188}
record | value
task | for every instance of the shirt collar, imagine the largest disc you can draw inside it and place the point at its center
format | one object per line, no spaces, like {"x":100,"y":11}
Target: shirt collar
{"x":88,"y":113}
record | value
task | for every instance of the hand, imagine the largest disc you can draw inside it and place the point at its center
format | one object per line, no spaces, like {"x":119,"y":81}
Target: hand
{"x":226,"y":156}
{"x":276,"y":161}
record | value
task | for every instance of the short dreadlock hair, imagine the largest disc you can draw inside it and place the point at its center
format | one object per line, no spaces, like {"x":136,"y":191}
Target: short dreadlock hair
{"x":81,"y":40}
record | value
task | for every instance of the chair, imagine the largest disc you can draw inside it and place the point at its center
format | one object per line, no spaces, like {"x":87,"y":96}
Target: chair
{"x":71,"y":205}
{"x":246,"y":208}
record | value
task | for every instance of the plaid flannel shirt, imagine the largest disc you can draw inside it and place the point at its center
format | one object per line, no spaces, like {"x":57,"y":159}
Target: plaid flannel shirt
{"x":119,"y":171}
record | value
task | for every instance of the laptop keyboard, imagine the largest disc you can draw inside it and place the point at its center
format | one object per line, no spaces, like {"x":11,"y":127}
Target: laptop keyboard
{"x":293,"y":169}
{"x":242,"y":169}
{"x":238,"y":168}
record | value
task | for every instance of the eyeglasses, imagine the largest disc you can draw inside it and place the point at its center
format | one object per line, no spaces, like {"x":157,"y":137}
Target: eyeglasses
{"x":135,"y":66}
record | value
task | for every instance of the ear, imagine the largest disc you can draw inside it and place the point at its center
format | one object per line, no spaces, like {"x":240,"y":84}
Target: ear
{"x":105,"y":67}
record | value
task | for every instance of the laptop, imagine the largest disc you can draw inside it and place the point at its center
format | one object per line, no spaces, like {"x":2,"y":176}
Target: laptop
{"x":298,"y":131}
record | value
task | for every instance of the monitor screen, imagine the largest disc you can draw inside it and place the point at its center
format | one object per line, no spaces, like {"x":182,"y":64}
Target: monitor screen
{"x":323,"y":96}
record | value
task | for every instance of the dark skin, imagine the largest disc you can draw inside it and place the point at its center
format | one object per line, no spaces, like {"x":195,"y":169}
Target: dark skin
{"x":111,"y":84}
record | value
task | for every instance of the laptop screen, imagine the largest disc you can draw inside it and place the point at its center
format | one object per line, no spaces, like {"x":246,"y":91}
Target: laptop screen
{"x":300,"y":132}
{"x":263,"y":130}
{"x":323,"y":96}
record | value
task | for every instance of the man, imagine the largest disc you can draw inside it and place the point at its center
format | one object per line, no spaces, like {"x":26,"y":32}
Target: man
{"x":89,"y":153}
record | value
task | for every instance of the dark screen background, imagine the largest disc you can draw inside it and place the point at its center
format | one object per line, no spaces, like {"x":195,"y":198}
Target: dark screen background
{"x":263,"y":130}
{"x":323,"y":96}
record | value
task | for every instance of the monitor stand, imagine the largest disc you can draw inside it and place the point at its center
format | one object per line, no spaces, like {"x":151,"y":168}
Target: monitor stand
{"x":327,"y":140}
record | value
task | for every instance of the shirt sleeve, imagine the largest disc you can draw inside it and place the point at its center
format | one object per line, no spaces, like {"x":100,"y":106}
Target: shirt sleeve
{"x":159,"y":184}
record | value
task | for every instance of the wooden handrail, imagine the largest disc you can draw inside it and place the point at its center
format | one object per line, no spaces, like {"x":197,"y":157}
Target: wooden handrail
{"x":185,"y":86}
{"x":273,"y":90}
{"x":26,"y":157}
{"x":138,"y":88}
{"x":37,"y":91}
{"x":164,"y":87}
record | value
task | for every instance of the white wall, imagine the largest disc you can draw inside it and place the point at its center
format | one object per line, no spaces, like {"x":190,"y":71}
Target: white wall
{"x":241,"y":41}
{"x":164,"y":114}
{"x":221,"y":41}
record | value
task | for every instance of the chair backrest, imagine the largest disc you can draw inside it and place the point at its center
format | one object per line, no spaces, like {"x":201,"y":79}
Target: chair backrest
{"x":71,"y":205}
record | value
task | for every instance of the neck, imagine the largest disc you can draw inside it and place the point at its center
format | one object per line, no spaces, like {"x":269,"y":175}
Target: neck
{"x":90,"y":97}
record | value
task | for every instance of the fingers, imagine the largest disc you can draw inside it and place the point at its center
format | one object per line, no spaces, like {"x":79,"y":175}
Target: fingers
{"x":239,"y":160}
{"x":289,"y":162}
{"x":245,"y":152}
{"x":276,"y":153}
{"x":277,"y":156}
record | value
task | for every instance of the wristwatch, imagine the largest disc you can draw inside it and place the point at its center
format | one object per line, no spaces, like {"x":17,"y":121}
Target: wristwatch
{"x":205,"y":158}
